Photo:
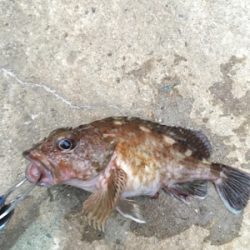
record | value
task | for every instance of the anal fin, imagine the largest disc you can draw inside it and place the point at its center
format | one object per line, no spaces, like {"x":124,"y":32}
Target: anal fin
{"x":183,"y":191}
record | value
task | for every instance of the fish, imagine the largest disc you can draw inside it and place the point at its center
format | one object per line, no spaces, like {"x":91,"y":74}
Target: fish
{"x":117,"y":158}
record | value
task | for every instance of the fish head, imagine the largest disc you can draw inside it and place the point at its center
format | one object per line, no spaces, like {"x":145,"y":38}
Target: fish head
{"x":60,"y":157}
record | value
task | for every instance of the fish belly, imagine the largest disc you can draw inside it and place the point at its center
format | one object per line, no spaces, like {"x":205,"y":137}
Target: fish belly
{"x":142,"y":182}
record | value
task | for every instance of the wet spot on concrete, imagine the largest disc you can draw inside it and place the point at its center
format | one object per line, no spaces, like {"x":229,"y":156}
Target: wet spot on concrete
{"x":89,"y":234}
{"x":178,"y":59}
{"x":72,"y":57}
{"x":169,"y":103}
{"x":222,"y":91}
{"x":167,"y":217}
{"x":169,"y":84}
{"x":24,"y":216}
{"x":109,"y":54}
{"x":248,"y":155}
{"x":73,"y":217}
{"x":143,"y":70}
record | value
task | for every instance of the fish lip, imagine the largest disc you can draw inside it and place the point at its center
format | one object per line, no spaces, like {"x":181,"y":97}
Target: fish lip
{"x":45,"y":178}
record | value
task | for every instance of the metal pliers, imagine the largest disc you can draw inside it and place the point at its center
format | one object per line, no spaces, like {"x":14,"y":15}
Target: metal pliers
{"x":7,"y":209}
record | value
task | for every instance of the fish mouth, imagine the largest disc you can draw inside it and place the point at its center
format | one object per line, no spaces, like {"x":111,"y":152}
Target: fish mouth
{"x":38,"y":172}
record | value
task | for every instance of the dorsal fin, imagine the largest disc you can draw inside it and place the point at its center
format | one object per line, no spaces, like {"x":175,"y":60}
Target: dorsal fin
{"x":194,"y":140}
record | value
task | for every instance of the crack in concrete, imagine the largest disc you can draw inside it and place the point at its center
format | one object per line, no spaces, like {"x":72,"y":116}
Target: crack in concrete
{"x":9,"y":74}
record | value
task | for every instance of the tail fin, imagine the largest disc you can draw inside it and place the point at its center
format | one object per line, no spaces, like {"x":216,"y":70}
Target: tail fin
{"x":233,"y":187}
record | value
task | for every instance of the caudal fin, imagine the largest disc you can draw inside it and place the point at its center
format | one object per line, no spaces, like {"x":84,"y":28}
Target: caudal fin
{"x":233,"y":187}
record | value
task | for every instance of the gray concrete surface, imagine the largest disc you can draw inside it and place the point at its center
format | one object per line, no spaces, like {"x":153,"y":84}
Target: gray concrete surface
{"x":63,"y":63}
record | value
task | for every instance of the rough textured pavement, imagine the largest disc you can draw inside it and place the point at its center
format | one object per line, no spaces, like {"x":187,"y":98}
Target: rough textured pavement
{"x":68,"y":62}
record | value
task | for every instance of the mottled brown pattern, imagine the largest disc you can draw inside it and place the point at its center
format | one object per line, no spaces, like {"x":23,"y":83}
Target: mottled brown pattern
{"x":141,"y":144}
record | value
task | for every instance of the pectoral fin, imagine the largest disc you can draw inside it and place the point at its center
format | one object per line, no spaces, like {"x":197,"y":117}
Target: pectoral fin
{"x":129,"y":209}
{"x":99,"y":206}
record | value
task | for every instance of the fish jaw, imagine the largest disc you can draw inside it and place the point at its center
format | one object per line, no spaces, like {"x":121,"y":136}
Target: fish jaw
{"x":39,"y":175}
{"x":44,"y":172}
{"x":87,"y":185}
{"x":38,"y":171}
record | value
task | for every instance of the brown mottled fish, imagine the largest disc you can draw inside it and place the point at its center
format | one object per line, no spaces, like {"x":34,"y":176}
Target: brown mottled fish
{"x":117,"y":158}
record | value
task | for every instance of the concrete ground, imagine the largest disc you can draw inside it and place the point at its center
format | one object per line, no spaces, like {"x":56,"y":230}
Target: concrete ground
{"x":68,"y":62}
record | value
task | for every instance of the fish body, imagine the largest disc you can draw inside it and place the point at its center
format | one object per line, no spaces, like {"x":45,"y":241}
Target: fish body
{"x":120,"y":157}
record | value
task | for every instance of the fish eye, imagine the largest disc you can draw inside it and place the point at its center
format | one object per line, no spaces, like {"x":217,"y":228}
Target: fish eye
{"x":65,"y":144}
